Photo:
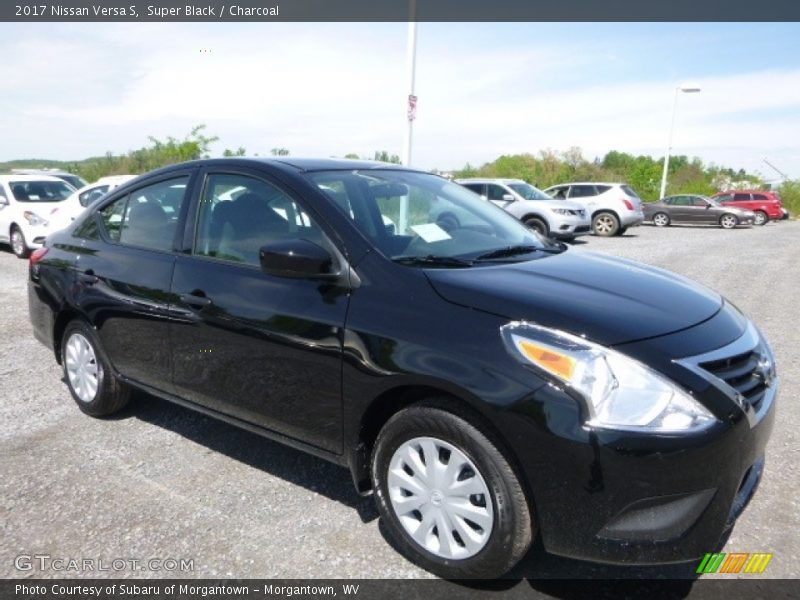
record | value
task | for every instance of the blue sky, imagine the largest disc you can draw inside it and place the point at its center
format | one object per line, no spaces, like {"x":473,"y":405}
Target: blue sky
{"x":485,"y":89}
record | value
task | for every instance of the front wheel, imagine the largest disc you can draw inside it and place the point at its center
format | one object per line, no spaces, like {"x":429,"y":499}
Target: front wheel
{"x":18,"y":244}
{"x":89,"y":378}
{"x":728,"y":221}
{"x":605,"y":224}
{"x":761,"y":218}
{"x":449,"y":499}
{"x":537,"y":225}
{"x":661,"y":219}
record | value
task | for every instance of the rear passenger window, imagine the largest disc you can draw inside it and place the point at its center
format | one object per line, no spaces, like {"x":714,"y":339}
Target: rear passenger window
{"x":147,"y":217}
{"x":240,"y":214}
{"x":582,"y":191}
{"x":475,"y":187}
{"x":759,"y":197}
{"x":741,"y":197}
{"x":602,"y":189}
{"x":724,"y":198}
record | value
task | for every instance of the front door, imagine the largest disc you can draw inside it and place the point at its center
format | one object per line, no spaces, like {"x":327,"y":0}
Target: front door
{"x":261,"y":348}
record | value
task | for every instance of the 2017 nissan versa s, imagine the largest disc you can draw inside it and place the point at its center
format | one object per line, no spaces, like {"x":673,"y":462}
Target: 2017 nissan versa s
{"x":487,"y":384}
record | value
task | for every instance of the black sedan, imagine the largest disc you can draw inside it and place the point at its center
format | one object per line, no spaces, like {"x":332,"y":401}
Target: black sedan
{"x":697,"y":210}
{"x":486,"y":384}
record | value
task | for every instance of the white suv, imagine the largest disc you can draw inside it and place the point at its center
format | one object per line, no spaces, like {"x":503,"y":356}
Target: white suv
{"x":552,"y":218}
{"x":73,"y":206}
{"x":613,"y":207}
{"x":27,"y":205}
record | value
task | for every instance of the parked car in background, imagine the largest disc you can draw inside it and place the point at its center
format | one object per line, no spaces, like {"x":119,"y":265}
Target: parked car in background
{"x":27,"y":205}
{"x":537,"y":210}
{"x":698,"y":210}
{"x":765,"y":205}
{"x":612,"y":207}
{"x":75,"y":181}
{"x":85,"y":196}
{"x":487,"y":385}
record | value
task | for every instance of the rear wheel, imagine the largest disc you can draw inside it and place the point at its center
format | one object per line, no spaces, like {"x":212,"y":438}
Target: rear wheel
{"x":89,"y":378}
{"x":761,"y":218}
{"x":728,"y":221}
{"x":605,"y":224}
{"x":661,"y":219}
{"x":537,"y":225}
{"x":449,"y":499}
{"x":18,"y":244}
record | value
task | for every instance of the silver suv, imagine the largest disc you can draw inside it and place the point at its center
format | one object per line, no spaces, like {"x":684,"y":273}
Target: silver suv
{"x":613,"y":207}
{"x":552,"y":218}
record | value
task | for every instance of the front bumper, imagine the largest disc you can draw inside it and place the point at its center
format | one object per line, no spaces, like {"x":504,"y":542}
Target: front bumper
{"x":632,"y":498}
{"x":571,"y":229}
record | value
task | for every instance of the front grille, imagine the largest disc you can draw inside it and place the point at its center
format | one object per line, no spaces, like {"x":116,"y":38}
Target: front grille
{"x":744,"y":373}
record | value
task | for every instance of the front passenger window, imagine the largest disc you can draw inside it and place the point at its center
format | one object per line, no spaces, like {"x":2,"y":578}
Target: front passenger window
{"x":240,"y":214}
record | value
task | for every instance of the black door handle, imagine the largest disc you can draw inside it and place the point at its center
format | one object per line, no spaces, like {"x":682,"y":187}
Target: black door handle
{"x":196,"y":299}
{"x":88,"y":277}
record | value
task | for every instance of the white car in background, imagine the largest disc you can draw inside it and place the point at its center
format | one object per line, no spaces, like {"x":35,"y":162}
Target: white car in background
{"x":612,"y":207}
{"x":552,"y":218}
{"x":73,"y":206}
{"x":27,"y":206}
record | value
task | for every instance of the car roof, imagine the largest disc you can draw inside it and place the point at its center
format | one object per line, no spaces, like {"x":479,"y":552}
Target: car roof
{"x":591,"y":183}
{"x":21,"y":177}
{"x":289,"y":164}
{"x":490,"y":180}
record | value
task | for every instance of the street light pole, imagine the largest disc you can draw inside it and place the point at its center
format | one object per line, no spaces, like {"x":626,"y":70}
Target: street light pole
{"x":411,"y":107}
{"x":686,"y":89}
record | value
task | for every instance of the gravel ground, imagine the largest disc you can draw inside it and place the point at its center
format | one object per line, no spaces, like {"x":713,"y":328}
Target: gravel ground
{"x":162,"y":482}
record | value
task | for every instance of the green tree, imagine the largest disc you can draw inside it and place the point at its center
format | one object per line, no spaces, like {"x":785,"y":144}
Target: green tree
{"x":279,"y":152}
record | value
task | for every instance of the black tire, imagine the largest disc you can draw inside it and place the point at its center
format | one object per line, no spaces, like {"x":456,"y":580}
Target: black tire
{"x":537,"y":224}
{"x":761,"y":219}
{"x":513,"y":526}
{"x":622,"y":230}
{"x":111,"y":395}
{"x":605,"y":224}
{"x":18,"y":244}
{"x":661,"y":219}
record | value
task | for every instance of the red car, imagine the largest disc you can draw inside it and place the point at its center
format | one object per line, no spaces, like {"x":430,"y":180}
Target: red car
{"x":766,"y":205}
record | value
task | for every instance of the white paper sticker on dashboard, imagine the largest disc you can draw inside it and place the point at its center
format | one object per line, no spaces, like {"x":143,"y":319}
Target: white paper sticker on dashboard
{"x":430,"y":232}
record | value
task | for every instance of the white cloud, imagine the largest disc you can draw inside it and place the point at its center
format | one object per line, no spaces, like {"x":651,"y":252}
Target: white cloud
{"x":337,"y":88}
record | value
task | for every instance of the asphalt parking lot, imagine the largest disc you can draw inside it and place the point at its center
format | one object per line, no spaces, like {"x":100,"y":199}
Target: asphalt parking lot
{"x":160,"y":481}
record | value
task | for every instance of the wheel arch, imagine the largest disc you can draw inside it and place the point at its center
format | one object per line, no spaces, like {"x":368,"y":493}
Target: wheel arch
{"x":64,"y":318}
{"x":390,"y":402}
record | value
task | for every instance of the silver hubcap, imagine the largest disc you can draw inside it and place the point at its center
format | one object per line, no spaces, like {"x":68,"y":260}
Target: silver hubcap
{"x":81,"y":366}
{"x":728,"y":222}
{"x":660,"y":220}
{"x":604,"y":224}
{"x":17,"y":242}
{"x":760,"y":218}
{"x":440,"y":498}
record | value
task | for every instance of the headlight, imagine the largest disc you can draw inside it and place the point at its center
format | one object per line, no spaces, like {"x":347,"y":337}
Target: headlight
{"x":561,"y":211}
{"x":33,"y":218}
{"x":620,"y":392}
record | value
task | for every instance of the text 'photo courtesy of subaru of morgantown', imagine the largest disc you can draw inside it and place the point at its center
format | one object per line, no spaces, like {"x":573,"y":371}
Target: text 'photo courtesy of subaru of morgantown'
{"x":486,"y":384}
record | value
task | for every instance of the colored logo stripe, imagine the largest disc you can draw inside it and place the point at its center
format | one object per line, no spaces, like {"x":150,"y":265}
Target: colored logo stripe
{"x":734,"y":562}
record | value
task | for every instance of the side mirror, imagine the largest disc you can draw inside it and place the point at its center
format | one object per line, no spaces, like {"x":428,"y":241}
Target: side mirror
{"x":508,"y":197}
{"x":297,"y":259}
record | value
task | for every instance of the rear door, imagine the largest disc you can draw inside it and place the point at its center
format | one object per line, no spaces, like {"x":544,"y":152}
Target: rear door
{"x":124,"y":265}
{"x":257,"y":347}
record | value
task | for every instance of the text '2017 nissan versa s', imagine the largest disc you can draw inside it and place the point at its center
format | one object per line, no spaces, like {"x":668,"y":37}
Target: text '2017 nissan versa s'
{"x":488,"y":385}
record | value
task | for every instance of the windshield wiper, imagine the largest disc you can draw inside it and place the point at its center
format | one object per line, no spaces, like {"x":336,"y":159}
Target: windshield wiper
{"x":517,"y":250}
{"x":433,"y":261}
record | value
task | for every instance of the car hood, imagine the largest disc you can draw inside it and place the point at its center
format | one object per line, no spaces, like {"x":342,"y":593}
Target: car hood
{"x":609,"y":300}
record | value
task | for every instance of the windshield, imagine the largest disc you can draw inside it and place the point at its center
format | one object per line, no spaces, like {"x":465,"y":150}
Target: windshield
{"x":529,"y":192}
{"x":40,"y":191}
{"x":422,"y":219}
